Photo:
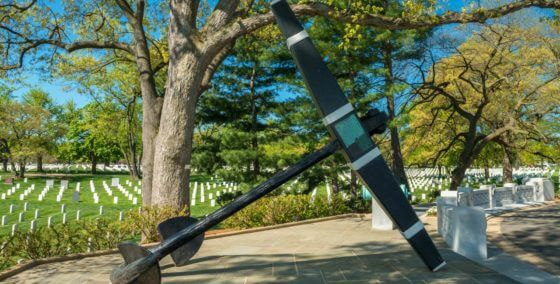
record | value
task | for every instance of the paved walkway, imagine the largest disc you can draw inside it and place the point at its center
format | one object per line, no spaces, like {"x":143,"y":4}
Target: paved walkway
{"x":533,"y":235}
{"x":343,"y":250}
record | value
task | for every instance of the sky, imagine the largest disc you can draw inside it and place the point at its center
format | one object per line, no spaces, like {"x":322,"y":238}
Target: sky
{"x":62,"y":91}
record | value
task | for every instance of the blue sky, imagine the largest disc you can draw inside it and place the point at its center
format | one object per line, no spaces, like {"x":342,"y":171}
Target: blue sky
{"x":62,"y":91}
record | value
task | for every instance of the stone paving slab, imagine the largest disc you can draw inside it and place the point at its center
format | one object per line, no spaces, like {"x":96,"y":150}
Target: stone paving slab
{"x":531,"y":235}
{"x":336,"y":251}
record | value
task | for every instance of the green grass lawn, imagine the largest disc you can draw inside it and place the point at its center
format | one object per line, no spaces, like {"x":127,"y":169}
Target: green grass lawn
{"x":88,"y":209}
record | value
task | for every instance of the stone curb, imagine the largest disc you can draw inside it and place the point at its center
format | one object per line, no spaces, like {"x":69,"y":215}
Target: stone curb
{"x":35,"y":262}
{"x":496,"y":237}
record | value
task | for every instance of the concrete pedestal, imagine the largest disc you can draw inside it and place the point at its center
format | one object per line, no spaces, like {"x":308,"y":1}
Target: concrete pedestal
{"x":379,"y":219}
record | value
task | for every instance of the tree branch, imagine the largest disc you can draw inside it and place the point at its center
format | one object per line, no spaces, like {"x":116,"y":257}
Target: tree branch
{"x":247,"y":25}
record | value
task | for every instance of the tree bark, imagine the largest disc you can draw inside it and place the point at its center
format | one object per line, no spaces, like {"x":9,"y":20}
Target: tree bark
{"x":172,"y":155}
{"x":254,"y":121}
{"x":353,"y":184}
{"x":40,"y":163}
{"x":21,"y":173}
{"x":151,"y":108}
{"x":396,"y":153}
{"x":14,"y":169}
{"x":486,"y":170}
{"x":507,"y":165}
{"x":93,"y":159}
{"x":131,"y":155}
{"x":170,"y":185}
{"x":5,"y":165}
{"x":334,"y":183}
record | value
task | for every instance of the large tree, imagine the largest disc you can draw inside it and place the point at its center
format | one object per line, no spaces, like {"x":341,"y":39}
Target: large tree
{"x":25,"y":126}
{"x":196,"y":47}
{"x":502,"y":81}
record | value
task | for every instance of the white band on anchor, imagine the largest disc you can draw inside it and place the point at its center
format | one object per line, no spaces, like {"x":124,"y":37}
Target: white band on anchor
{"x":366,"y":158}
{"x":337,"y":114}
{"x":413,"y":230}
{"x":296,"y":38}
{"x":439,"y":266}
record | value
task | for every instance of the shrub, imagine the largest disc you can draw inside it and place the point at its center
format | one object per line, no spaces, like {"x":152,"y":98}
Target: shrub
{"x":433,"y":195}
{"x":60,"y":239}
{"x":284,"y":209}
{"x":227,"y":197}
{"x":359,"y":205}
{"x":432,"y":211}
{"x":146,"y":220}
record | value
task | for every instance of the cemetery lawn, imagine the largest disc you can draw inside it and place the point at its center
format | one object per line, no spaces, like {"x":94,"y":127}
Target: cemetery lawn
{"x":88,"y":209}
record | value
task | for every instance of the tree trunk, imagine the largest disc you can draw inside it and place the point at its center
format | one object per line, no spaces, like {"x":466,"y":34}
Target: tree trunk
{"x":93,"y":163}
{"x":457,"y":175}
{"x":486,"y":170}
{"x":151,"y":108}
{"x":254,"y":121}
{"x":174,"y":141}
{"x":5,"y":165}
{"x":131,"y":155}
{"x":334,"y":183}
{"x":21,"y":173}
{"x":353,"y":184}
{"x":40,"y":163}
{"x":507,"y":165}
{"x":14,"y":169}
{"x":467,"y":156}
{"x":170,"y":185}
{"x":396,"y":153}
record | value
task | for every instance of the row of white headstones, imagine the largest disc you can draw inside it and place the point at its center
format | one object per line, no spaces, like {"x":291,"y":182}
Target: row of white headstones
{"x":204,"y":190}
{"x":427,"y":179}
{"x":213,"y":190}
{"x":75,"y":197}
{"x":50,"y":220}
{"x":60,"y":167}
{"x":128,"y":193}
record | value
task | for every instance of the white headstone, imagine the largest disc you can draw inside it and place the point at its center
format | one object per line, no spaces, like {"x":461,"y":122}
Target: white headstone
{"x":64,"y":218}
{"x":37,"y":214}
{"x":49,"y":221}
{"x":14,"y":228}
{"x":116,"y":200}
{"x":78,"y":215}
{"x":33,"y":225}
{"x":50,"y":182}
{"x":63,"y":208}
{"x":212,"y":202}
{"x":76,"y":196}
{"x":121,"y":216}
{"x":4,"y":220}
{"x":21,"y":217}
{"x":25,"y":206}
{"x":115,"y":181}
{"x":101,"y":210}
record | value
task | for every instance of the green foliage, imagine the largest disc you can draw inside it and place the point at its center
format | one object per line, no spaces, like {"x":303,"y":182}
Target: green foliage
{"x":228,"y":197}
{"x":147,"y":219}
{"x":275,"y":210}
{"x":359,"y":205}
{"x":91,"y":134}
{"x":59,"y":240}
